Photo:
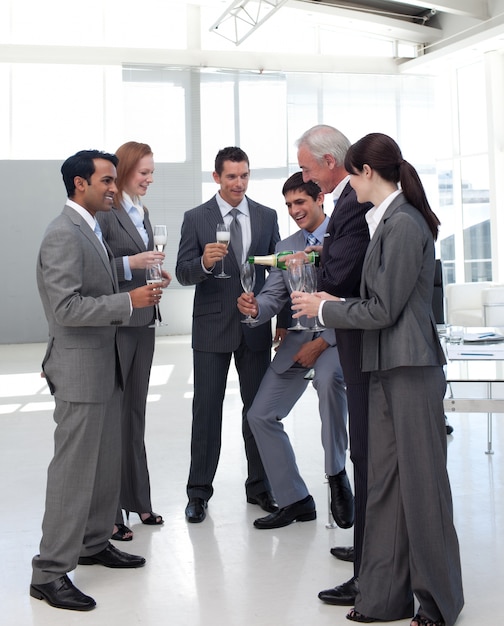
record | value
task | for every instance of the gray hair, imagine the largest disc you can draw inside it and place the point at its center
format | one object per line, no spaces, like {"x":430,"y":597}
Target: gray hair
{"x":323,"y":139}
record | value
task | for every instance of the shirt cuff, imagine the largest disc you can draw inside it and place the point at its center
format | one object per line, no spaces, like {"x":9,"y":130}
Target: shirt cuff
{"x":320,"y":316}
{"x":321,"y":307}
{"x":128,"y":274}
{"x":205,"y":269}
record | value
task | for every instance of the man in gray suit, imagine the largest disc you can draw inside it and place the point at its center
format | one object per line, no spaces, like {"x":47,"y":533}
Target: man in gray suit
{"x":78,"y":288}
{"x":217,"y":331}
{"x":285,"y":380}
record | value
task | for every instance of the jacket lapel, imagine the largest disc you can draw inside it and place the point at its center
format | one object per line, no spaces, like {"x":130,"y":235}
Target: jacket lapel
{"x":130,"y":228}
{"x":395,"y":204}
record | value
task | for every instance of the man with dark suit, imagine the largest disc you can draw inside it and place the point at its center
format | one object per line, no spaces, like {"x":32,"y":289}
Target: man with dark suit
{"x":217,"y":331}
{"x":321,"y":156}
{"x":285,"y":380}
{"x":78,"y":288}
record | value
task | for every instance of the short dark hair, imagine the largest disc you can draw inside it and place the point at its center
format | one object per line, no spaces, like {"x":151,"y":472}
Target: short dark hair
{"x":296,"y":183}
{"x":232,"y":153}
{"x":81,"y":164}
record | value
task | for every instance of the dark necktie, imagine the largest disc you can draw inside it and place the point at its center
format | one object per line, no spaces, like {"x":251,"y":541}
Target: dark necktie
{"x":236,"y":236}
{"x":312,"y":240}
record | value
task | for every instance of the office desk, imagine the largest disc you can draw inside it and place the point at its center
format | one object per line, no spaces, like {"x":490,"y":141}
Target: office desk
{"x":477,"y":369}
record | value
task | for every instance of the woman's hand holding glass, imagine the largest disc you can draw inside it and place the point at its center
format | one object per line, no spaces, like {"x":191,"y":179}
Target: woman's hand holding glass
{"x":309,"y":303}
{"x":154,"y":276}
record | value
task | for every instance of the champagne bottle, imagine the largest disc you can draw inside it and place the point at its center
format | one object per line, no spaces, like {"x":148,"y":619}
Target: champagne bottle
{"x":276,"y":260}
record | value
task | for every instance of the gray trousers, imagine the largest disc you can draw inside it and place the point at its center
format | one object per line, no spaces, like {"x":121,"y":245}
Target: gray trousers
{"x":410,"y":543}
{"x":274,"y":400}
{"x":82,"y":486}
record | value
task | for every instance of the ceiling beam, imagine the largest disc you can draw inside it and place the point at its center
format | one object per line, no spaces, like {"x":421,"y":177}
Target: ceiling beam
{"x":372,"y":23}
{"x":468,"y":8}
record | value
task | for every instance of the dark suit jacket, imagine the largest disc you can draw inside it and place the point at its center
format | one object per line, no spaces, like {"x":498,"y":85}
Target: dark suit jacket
{"x":345,"y":244}
{"x":395,"y":304}
{"x":216,"y":319}
{"x":79,"y":292}
{"x":124,"y":240}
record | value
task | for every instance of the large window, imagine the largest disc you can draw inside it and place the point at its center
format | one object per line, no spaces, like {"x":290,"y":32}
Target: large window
{"x":463,"y":175}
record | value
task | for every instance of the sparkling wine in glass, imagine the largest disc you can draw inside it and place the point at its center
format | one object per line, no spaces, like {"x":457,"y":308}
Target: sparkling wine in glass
{"x":310,"y":286}
{"x":247,"y":277}
{"x":223,"y":236}
{"x":160,"y":237}
{"x":154,"y":276}
{"x":295,"y":276}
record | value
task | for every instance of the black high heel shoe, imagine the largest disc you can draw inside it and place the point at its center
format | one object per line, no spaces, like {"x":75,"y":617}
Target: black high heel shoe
{"x":154,"y":519}
{"x":122,"y":531}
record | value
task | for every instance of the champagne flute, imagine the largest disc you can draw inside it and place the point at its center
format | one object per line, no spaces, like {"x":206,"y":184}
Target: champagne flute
{"x":160,"y":237}
{"x":295,"y":276}
{"x":223,"y":236}
{"x":247,"y":277}
{"x":154,"y":276}
{"x":310,"y":284}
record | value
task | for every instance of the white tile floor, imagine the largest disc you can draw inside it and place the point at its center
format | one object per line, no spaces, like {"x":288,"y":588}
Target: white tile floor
{"x":222,"y":572}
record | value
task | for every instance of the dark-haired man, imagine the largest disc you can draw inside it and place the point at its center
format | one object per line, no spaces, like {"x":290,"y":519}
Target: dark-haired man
{"x":79,"y":291}
{"x":285,"y":380}
{"x":217,"y":331}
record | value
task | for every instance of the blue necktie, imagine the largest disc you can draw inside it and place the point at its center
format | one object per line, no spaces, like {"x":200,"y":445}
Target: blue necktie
{"x":312,"y":240}
{"x":98,"y":233}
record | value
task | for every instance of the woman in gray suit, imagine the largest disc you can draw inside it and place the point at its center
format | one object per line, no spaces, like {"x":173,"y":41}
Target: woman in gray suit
{"x":128,"y":232}
{"x":410,"y":544}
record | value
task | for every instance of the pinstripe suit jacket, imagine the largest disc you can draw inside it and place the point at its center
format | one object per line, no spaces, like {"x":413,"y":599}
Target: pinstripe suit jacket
{"x":79,"y":293}
{"x":345,"y":244}
{"x":216,"y":319}
{"x":124,"y":240}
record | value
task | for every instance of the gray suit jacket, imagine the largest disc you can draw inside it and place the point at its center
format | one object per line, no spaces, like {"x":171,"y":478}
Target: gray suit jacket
{"x":274,"y":296}
{"x":124,"y":240}
{"x":217,"y":323}
{"x":395,"y":306}
{"x":78,"y":289}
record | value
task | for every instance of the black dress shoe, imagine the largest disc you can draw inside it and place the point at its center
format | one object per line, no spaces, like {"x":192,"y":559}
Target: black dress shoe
{"x":265,"y":500}
{"x":342,"y":595}
{"x":342,"y":500}
{"x":195,"y":510}
{"x":449,"y":427}
{"x":302,"y":511}
{"x":112,"y":557}
{"x":343,"y":554}
{"x":62,"y":594}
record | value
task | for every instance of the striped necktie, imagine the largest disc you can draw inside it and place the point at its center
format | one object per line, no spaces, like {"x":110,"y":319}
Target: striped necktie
{"x":311,"y":240}
{"x":235,"y":232}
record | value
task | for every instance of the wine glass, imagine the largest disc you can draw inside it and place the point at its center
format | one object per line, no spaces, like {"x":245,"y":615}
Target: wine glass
{"x":223,"y":236}
{"x":310,"y":286}
{"x":295,"y":276}
{"x":247,"y":277}
{"x":160,"y":237}
{"x":154,"y":276}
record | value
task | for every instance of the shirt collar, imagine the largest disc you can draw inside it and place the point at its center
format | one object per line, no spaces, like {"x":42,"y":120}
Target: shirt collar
{"x":225,"y":207}
{"x":318,"y":232}
{"x":374,"y":216}
{"x":339,"y":188}
{"x":129,"y":202}
{"x":86,"y":215}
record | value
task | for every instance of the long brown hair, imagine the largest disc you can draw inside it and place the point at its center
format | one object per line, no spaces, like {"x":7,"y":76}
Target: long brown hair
{"x":382,"y":154}
{"x":128,"y":154}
